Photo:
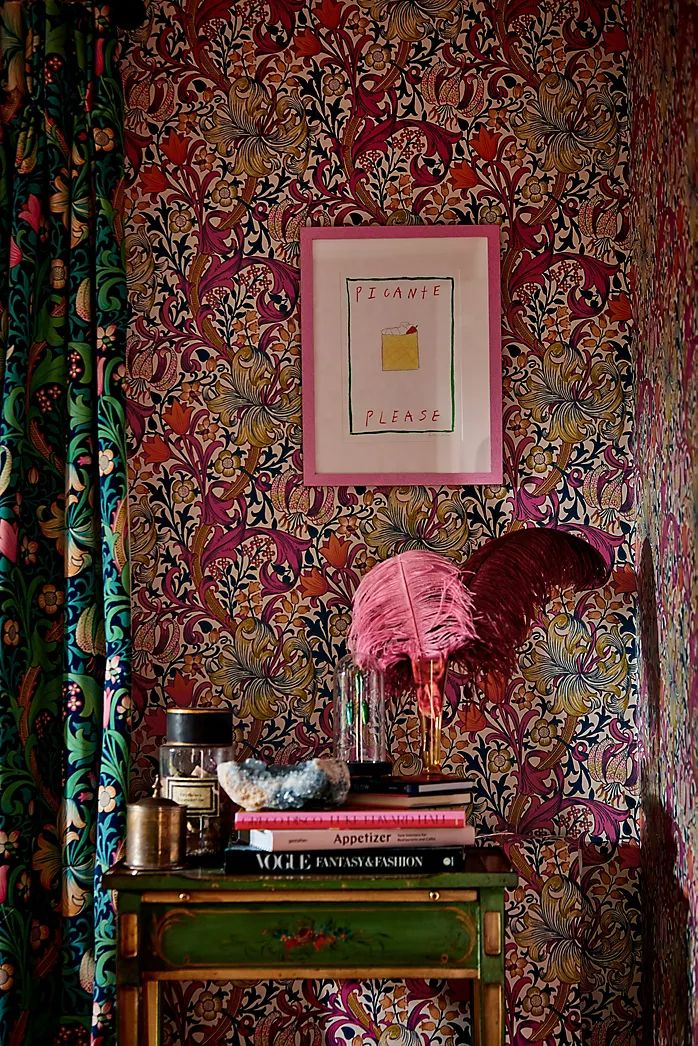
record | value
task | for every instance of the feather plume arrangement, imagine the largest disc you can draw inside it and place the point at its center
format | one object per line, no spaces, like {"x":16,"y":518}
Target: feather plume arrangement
{"x":411,"y":606}
{"x":509,"y":579}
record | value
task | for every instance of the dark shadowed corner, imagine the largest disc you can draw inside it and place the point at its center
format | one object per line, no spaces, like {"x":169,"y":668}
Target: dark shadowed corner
{"x":665,"y":961}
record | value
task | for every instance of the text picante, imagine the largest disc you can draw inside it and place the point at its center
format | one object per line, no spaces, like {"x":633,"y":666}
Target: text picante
{"x":411,"y":292}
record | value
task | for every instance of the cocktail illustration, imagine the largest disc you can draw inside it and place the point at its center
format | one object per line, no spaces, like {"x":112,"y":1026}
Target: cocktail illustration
{"x":400,"y":348}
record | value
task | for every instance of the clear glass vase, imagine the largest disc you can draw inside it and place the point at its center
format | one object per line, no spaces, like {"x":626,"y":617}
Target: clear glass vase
{"x":359,"y":717}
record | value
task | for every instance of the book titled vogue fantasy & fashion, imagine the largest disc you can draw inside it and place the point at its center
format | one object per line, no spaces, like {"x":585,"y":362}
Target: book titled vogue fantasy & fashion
{"x":247,"y":860}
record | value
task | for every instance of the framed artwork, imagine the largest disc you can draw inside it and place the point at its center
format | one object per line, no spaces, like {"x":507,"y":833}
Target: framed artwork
{"x":401,"y":346}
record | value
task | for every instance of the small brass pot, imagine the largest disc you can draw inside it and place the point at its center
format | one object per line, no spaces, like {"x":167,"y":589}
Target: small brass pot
{"x":155,"y":834}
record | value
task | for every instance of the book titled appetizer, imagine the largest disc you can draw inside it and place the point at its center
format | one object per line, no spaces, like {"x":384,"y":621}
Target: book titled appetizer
{"x":359,"y":838}
{"x":246,"y":860}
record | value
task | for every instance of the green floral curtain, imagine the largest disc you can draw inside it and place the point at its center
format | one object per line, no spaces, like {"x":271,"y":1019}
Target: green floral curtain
{"x":64,"y":668}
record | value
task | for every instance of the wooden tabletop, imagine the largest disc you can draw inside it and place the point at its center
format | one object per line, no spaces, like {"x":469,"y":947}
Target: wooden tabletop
{"x":484,"y":867}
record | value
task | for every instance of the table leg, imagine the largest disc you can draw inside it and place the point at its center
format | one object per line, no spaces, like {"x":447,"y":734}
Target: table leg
{"x":475,"y":1013}
{"x":128,"y":1006}
{"x":152,"y":1013}
{"x":488,"y":1014}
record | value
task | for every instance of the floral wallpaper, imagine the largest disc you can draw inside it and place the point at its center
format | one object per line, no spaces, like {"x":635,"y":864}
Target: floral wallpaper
{"x":246,"y":121}
{"x":665,"y":171}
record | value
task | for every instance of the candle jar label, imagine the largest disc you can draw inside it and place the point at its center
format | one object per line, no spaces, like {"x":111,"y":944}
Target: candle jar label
{"x":199,"y":797}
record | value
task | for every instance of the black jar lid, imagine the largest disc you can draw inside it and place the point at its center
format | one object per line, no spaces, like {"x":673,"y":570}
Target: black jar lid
{"x":199,"y":726}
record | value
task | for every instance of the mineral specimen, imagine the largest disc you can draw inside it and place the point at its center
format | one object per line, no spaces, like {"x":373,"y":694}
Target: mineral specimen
{"x":255,"y":786}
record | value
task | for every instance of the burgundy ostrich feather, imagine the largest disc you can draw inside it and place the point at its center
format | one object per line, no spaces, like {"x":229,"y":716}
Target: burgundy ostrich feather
{"x":411,"y":606}
{"x":509,"y":579}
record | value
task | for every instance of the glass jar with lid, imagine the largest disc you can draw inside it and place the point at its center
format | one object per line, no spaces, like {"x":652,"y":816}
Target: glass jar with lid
{"x":197,"y":740}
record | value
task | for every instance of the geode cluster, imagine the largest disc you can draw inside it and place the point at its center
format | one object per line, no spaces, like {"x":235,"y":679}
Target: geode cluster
{"x":255,"y":786}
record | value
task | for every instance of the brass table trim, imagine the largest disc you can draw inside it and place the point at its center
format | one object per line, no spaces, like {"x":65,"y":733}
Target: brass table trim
{"x":152,"y":1012}
{"x":292,"y":973}
{"x":128,"y":935}
{"x":308,"y":896}
{"x":492,"y":933}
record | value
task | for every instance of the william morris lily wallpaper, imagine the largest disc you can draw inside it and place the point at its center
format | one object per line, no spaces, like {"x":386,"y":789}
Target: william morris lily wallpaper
{"x":246,"y":121}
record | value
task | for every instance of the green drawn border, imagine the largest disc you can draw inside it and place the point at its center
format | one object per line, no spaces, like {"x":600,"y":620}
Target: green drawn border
{"x":389,"y":279}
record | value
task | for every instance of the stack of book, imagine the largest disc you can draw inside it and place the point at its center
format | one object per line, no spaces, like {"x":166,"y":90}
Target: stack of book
{"x":390,"y":825}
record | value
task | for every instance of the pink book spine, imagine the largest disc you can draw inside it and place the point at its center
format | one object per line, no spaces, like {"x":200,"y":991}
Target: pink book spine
{"x":291,"y":820}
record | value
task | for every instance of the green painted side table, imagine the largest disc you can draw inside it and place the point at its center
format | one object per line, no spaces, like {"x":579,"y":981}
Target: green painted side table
{"x":201,"y":924}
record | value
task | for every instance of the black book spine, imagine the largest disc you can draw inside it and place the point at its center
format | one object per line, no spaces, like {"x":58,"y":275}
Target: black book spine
{"x":245,"y":860}
{"x":388,"y":787}
{"x":385,"y":786}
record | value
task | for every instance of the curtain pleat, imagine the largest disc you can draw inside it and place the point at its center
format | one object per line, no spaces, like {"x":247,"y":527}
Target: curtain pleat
{"x":64,"y":598}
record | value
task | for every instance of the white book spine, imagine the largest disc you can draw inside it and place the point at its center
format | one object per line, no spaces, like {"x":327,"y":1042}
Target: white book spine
{"x":359,"y":838}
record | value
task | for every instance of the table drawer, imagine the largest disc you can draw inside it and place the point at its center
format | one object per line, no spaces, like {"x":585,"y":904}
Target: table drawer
{"x":267,"y":939}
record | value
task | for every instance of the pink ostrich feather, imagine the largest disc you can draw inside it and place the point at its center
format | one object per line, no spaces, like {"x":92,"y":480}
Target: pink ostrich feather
{"x":411,"y":606}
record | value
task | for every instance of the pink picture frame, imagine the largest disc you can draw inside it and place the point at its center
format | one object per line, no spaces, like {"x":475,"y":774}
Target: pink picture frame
{"x":401,"y":356}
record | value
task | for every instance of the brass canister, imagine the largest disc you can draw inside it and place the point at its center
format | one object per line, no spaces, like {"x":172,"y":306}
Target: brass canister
{"x":155,"y":834}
